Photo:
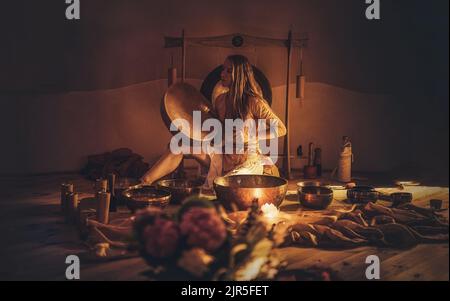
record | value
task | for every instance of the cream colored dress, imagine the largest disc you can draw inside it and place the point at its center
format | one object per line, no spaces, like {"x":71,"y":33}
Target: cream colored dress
{"x":247,"y":162}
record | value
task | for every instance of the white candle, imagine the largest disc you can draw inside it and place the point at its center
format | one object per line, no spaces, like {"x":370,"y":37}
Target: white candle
{"x":270,"y":213}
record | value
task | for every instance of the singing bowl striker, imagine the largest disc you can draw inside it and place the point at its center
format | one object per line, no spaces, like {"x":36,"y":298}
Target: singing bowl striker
{"x":241,"y":190}
{"x":180,"y":188}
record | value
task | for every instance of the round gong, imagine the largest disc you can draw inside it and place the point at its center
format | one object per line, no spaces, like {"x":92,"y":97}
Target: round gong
{"x":179,"y":102}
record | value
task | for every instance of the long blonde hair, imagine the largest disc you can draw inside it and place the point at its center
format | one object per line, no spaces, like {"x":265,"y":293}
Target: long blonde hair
{"x":243,"y":85}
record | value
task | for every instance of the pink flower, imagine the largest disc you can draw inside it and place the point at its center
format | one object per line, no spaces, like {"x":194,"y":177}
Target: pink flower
{"x":161,"y":238}
{"x":203,"y":228}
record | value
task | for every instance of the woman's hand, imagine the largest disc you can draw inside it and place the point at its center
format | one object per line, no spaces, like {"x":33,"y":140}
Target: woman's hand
{"x":145,"y":179}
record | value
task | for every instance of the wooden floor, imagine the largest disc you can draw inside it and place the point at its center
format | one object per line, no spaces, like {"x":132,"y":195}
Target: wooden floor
{"x":36,"y":241}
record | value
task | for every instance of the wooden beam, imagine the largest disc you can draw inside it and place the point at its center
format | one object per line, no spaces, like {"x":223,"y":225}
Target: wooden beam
{"x":233,"y":41}
{"x":183,"y":57}
{"x":287,"y":144}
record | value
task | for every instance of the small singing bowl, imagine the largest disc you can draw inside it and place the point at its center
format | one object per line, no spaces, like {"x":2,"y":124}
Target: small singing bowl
{"x":363,"y":194}
{"x":143,"y":196}
{"x":301,"y":185}
{"x":315,"y":197}
{"x":241,"y":190}
{"x":435,"y":204}
{"x":400,"y":198}
{"x":180,"y":188}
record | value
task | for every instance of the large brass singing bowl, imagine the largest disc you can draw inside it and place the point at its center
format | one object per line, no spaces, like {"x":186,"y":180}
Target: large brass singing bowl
{"x":241,"y":190}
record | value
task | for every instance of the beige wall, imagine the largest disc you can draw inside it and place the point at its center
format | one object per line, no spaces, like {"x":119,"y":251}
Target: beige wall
{"x":56,"y":132}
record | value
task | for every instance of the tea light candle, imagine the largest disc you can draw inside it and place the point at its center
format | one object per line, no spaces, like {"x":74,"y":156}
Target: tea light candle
{"x":72,"y":206}
{"x":103,"y":202}
{"x":270,"y":212}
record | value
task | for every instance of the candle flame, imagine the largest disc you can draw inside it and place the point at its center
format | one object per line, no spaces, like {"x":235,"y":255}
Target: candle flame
{"x":270,"y":212}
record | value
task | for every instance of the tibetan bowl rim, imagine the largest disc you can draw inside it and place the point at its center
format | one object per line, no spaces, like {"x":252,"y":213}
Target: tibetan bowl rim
{"x":363,"y":188}
{"x":243,"y":197}
{"x":133,"y":204}
{"x":162,"y":183}
{"x":162,"y":194}
{"x":362,"y":192}
{"x":303,"y":184}
{"x":323,"y":191}
{"x":222,"y":178}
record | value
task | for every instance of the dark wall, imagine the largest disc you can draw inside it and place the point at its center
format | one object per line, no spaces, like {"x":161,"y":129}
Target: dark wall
{"x":118,"y":43}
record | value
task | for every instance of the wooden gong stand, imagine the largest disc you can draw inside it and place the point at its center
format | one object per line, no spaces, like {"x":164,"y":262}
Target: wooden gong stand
{"x":238,"y":40}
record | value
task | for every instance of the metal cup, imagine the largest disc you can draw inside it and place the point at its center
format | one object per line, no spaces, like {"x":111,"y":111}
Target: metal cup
{"x":65,"y":189}
{"x":435,"y":204}
{"x":101,"y":185}
{"x":71,"y":206}
{"x":103,"y":201}
{"x":111,"y":190}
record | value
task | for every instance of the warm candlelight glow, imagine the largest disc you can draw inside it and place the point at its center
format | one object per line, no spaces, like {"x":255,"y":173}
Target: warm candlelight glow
{"x":258,"y":193}
{"x":270,"y":212}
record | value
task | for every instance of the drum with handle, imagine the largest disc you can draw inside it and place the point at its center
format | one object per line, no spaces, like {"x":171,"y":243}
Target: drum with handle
{"x":180,"y":102}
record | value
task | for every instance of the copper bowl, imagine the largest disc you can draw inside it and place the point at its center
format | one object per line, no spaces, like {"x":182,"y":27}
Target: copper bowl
{"x":180,"y":188}
{"x":301,"y":185}
{"x":400,"y":198}
{"x":362,"y":194}
{"x":315,"y":197}
{"x":142,"y":196}
{"x":241,"y":190}
{"x":121,"y":185}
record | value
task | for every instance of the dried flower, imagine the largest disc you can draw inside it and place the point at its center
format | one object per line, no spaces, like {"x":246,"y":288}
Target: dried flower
{"x":259,"y":256}
{"x":161,"y":238}
{"x":195,"y":261}
{"x":146,"y":216}
{"x":279,"y":232}
{"x":251,"y":270}
{"x":326,"y":276}
{"x":203,"y":228}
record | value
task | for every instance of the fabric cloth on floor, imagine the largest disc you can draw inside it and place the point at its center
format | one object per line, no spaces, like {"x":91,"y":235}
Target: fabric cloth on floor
{"x":369,"y":224}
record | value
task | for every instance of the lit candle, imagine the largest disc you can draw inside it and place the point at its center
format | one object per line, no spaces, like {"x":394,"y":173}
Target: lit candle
{"x":270,"y":213}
